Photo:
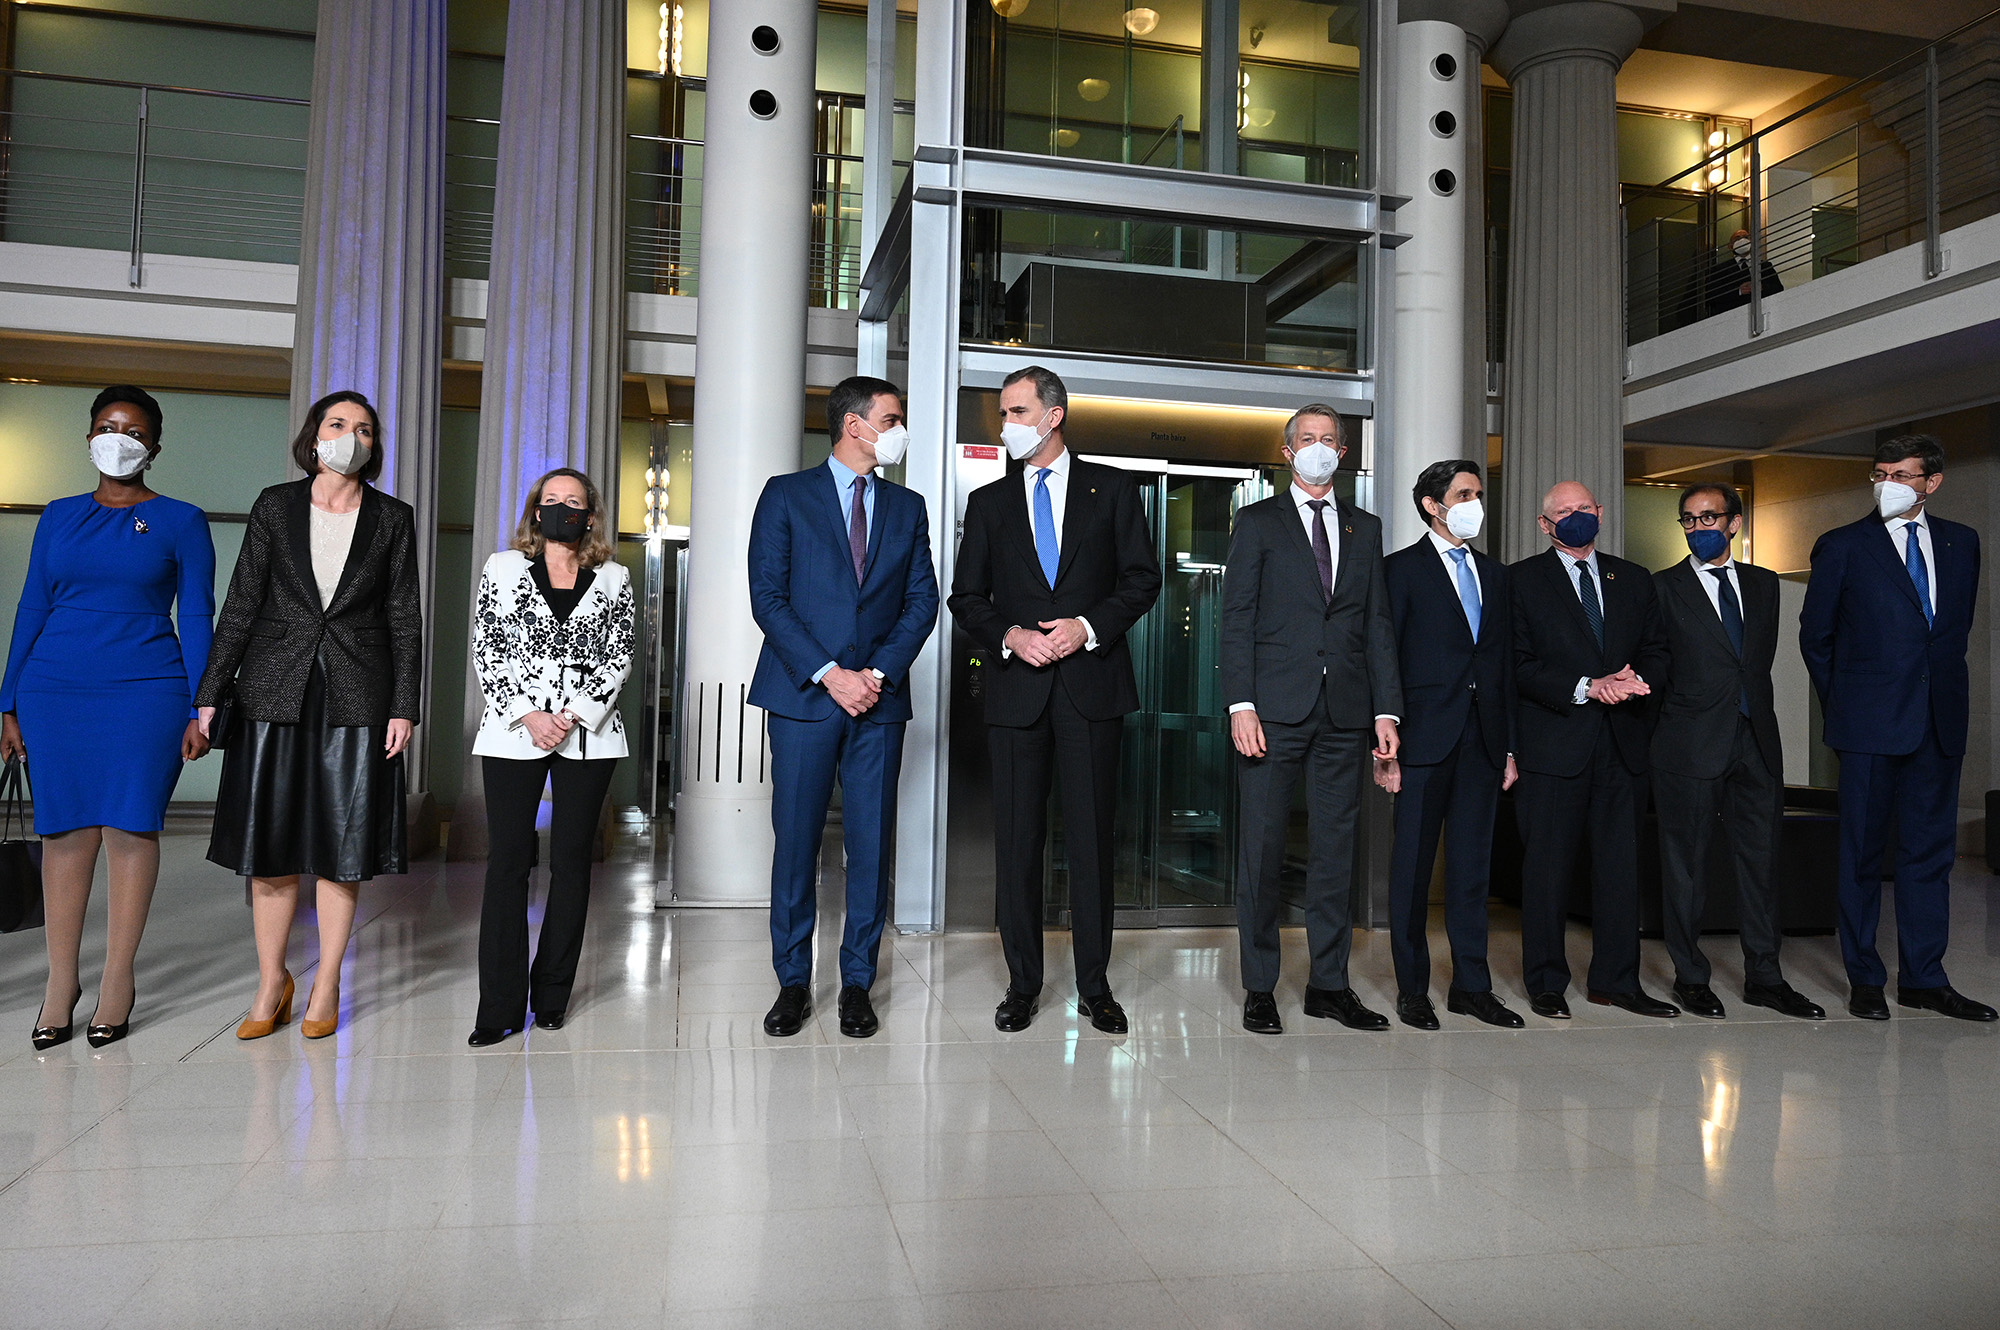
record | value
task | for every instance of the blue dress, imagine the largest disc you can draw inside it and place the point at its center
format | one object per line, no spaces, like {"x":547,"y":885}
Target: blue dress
{"x":96,"y":676}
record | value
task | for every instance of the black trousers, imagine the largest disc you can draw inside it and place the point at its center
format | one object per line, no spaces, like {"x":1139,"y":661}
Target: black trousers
{"x":513,"y":792}
{"x":1455,"y":799}
{"x":1751,"y":802}
{"x":1082,"y":754}
{"x":1559,"y":816}
{"x":1332,"y":760}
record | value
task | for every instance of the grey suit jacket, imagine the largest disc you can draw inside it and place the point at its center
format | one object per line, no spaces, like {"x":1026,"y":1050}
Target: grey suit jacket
{"x":1282,"y":639}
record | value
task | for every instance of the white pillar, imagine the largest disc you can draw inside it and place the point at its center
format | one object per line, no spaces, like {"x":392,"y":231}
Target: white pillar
{"x":878,"y":171}
{"x":749,"y":390}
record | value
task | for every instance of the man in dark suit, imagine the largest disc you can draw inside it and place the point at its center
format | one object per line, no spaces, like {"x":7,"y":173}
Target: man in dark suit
{"x":1716,"y":750}
{"x":1055,"y":566}
{"x":1587,"y":641}
{"x":1308,"y":666}
{"x":1884,"y":630}
{"x":842,"y":585}
{"x":1457,"y":743}
{"x":1728,"y":279}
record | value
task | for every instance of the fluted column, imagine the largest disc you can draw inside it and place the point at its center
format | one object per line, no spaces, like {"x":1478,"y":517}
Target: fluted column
{"x":555,"y":302}
{"x":749,"y":386}
{"x":1565,"y":325}
{"x":371,"y":256}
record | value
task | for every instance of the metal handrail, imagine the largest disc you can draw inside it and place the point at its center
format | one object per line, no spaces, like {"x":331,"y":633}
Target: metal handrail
{"x":154,"y":87}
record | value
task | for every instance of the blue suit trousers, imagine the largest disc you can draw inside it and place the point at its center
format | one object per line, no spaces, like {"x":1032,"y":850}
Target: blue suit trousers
{"x":1921,"y":790}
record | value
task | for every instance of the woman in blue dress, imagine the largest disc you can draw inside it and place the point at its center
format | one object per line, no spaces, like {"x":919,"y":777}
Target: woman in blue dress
{"x":98,"y":696}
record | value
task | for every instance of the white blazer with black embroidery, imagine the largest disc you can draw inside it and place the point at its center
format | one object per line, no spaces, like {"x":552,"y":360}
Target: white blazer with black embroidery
{"x":529,"y":660}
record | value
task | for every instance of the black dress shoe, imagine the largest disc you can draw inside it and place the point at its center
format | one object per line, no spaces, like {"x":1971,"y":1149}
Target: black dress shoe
{"x":100,"y":1035}
{"x":1016,"y":1011}
{"x":1415,"y":1009}
{"x":1782,"y":998}
{"x":1260,"y":1014}
{"x":1636,"y":1002}
{"x":483,"y":1035}
{"x":1485,"y":1006}
{"x":551,"y":1020}
{"x":789,"y":1012}
{"x":1104,"y":1012}
{"x":1946,"y":1001}
{"x":1340,"y":1004}
{"x":1866,"y":1002}
{"x":857,"y":1013}
{"x":1552,"y":1005}
{"x":48,"y":1036}
{"x":1700,"y":1000}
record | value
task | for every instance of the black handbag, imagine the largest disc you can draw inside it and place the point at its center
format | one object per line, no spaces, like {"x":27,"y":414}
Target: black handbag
{"x":20,"y":857}
{"x":224,"y":719}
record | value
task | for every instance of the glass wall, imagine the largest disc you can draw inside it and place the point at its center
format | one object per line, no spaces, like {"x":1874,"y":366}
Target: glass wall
{"x":1112,"y":82}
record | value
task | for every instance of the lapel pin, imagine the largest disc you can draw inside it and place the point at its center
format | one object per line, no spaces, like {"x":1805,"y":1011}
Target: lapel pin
{"x":1609,"y":575}
{"x":1348,"y":529}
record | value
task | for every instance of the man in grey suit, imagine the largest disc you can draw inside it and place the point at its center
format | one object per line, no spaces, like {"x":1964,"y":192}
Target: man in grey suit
{"x":1716,"y":750}
{"x":1308,"y":664}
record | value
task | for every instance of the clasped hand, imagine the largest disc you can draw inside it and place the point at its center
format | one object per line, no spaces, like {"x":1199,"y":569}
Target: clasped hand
{"x":1620,"y":687}
{"x":1058,"y":638}
{"x":855,"y":690}
{"x":545,"y":729}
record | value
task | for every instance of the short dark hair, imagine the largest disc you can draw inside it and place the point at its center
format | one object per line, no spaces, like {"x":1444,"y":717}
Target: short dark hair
{"x":1049,"y":389}
{"x":1924,"y":447}
{"x":139,"y":397}
{"x":855,"y":396}
{"x":305,"y":447}
{"x":1732,"y":502}
{"x":1434,"y":482}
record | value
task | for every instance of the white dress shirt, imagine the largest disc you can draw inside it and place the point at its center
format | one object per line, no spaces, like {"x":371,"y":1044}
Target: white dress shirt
{"x":1704,"y":573}
{"x":1058,"y":484}
{"x":1570,"y":561}
{"x":1899,"y":535}
{"x":845,"y":478}
{"x":1444,"y":549}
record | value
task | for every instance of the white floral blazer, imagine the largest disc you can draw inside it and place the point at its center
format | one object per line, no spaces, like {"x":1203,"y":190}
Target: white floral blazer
{"x":530,"y":660}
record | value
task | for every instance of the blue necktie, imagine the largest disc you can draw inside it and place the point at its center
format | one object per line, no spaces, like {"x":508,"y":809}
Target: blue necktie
{"x":1045,"y":527}
{"x":1732,"y":623}
{"x":1913,"y":559}
{"x":1468,"y":590}
{"x":1586,"y":590}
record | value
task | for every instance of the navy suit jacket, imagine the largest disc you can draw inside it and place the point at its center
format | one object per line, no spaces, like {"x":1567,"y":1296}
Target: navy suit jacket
{"x":1884,"y":675}
{"x":804,"y":596}
{"x":1446,"y":673}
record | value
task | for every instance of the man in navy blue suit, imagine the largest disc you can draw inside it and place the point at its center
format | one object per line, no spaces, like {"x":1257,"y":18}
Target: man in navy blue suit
{"x":842,"y":585}
{"x":1457,"y":660}
{"x":1884,"y":629}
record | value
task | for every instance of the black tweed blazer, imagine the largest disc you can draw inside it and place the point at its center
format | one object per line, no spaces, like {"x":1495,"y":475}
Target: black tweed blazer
{"x":272,"y":623}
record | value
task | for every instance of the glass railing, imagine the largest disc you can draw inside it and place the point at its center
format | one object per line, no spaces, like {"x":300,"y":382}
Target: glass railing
{"x":1888,"y":162}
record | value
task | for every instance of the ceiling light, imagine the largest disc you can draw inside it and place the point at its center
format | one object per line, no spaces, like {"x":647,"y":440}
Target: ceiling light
{"x":1064,"y":138}
{"x":1716,"y":138}
{"x":1010,"y":8}
{"x":1139,"y":20}
{"x":1093,"y":90}
{"x":1259,"y":117}
{"x":1716,"y":175}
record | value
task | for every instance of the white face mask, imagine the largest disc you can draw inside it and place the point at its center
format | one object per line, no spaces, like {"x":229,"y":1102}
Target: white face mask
{"x":1893,"y":498}
{"x":1742,"y":248}
{"x":344,"y":453}
{"x":119,"y":456}
{"x":1022,"y":440}
{"x":1464,"y":519}
{"x":891,"y":444}
{"x":1315,"y":463}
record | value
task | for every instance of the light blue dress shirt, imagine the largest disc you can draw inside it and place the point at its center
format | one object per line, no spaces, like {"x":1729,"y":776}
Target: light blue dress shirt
{"x":844,"y":480}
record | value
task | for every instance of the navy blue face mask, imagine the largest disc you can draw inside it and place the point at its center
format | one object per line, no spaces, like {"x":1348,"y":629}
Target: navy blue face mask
{"x":1707,"y":545}
{"x":1577,"y":530}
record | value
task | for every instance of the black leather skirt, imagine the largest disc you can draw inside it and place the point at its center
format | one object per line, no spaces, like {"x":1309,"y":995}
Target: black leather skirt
{"x":310,"y":798}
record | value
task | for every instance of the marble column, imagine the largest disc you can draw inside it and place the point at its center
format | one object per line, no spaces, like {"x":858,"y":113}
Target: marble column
{"x":555,"y":299}
{"x":1564,"y":414}
{"x":749,"y":389}
{"x":371,"y":259}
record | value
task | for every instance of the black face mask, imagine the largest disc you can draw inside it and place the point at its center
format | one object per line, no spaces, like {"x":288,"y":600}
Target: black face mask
{"x":561,"y":523}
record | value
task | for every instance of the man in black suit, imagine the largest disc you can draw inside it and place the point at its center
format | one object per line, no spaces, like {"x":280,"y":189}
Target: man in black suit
{"x":1587,"y":641}
{"x":1716,"y":750}
{"x":1308,"y":665}
{"x":1055,"y":566}
{"x":1728,"y":277}
{"x":1457,"y":743}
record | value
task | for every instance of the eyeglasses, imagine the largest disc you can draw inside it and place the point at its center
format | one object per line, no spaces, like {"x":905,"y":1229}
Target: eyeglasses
{"x":1905,"y":477}
{"x":1689,"y":521}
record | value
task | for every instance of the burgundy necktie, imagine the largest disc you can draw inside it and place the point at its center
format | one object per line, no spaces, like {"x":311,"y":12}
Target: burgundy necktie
{"x":1322,"y":552}
{"x":857,"y":527}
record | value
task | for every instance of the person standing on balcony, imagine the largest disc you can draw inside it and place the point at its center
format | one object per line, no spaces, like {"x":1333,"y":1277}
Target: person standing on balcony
{"x":1587,"y":646}
{"x":1716,"y":752}
{"x":842,"y":585}
{"x":98,"y":691}
{"x":1055,"y":567}
{"x":1884,"y":630}
{"x":1308,"y":665}
{"x":1729,"y":276}
{"x":1457,"y":749}
{"x":321,"y":641}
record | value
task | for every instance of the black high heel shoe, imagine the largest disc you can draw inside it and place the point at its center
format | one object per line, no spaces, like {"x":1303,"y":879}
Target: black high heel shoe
{"x":100,"y":1035}
{"x":48,"y":1036}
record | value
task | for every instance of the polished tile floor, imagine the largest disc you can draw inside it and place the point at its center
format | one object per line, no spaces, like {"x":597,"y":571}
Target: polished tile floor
{"x":661,"y":1162}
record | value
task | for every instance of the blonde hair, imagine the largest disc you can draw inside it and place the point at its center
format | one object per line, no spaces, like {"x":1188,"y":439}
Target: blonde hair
{"x":592,"y":550}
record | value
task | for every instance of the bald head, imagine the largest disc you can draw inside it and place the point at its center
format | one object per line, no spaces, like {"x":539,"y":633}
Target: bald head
{"x":1570,"y":516}
{"x":1566,"y":497}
